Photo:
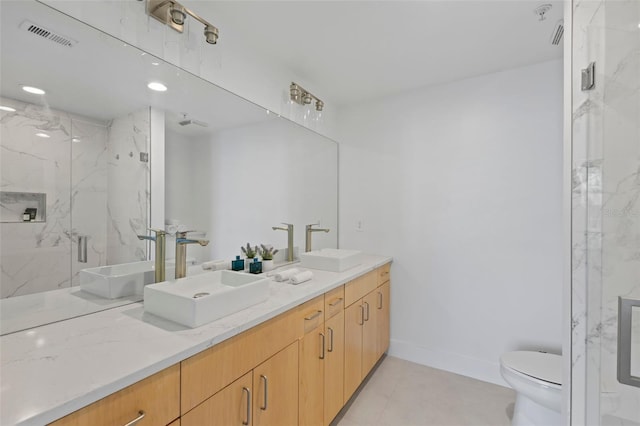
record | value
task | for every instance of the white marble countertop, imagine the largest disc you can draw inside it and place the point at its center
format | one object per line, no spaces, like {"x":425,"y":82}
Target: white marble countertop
{"x":51,"y":371}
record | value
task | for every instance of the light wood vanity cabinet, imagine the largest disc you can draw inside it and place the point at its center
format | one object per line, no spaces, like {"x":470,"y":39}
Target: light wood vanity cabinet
{"x":155,"y":400}
{"x":300,"y":367}
{"x":262,"y":397}
{"x":366,"y":326}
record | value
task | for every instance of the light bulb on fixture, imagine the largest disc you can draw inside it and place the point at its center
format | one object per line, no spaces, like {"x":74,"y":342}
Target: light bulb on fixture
{"x":177,"y":14}
{"x":306,"y":98}
{"x":34,"y":90}
{"x":211,"y":34}
{"x":319,"y":105}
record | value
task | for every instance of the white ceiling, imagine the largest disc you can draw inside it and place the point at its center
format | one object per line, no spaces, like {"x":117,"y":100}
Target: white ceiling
{"x":359,"y":50}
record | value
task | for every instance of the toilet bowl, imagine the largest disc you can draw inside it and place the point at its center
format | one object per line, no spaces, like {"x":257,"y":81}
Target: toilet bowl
{"x":537,"y":379}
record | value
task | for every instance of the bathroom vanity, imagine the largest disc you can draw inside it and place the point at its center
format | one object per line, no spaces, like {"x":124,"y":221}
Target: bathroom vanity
{"x":296,"y":358}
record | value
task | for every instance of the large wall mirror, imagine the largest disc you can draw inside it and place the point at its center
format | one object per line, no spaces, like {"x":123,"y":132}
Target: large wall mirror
{"x":99,"y":158}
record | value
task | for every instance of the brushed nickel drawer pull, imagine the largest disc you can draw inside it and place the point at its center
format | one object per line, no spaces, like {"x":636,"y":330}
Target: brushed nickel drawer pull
{"x":322,"y":346}
{"x":379,"y":300}
{"x":361,"y":315}
{"x":314,"y":316}
{"x":367,"y":310}
{"x":336,"y":302}
{"x":248,"y":421}
{"x":330,"y":339}
{"x":137,"y":419}
{"x":266,"y":390}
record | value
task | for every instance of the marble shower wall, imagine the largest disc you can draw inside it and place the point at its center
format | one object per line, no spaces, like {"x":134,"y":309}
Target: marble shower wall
{"x":606,"y":205}
{"x":38,"y":256}
{"x":128,"y":180}
{"x":96,"y":186}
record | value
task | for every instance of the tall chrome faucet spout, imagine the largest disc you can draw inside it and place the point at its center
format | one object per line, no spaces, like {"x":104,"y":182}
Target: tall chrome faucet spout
{"x":308,"y":230}
{"x":161,"y":241}
{"x":181,"y":252}
{"x":289,"y":230}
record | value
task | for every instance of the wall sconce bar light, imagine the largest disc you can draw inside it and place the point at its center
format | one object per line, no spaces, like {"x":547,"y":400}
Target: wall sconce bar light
{"x":173,"y":14}
{"x":303,"y":97}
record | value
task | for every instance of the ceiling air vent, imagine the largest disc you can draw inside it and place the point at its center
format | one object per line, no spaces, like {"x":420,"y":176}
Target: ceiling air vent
{"x":558,"y":30}
{"x":43,"y":32}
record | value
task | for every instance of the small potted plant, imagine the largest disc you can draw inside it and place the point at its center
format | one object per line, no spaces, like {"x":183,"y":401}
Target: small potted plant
{"x":266,"y":253}
{"x":250,"y":253}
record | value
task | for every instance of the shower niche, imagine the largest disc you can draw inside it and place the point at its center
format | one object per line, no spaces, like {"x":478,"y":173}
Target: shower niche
{"x":23,"y":207}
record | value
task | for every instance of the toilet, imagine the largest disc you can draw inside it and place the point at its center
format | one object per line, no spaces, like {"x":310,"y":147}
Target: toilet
{"x":537,"y":379}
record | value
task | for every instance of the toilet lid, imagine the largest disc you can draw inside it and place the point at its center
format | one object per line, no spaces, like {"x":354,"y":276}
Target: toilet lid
{"x":540,"y":365}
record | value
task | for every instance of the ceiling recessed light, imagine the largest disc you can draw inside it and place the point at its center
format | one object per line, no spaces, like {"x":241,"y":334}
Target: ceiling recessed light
{"x":33,"y":90}
{"x":6,"y":108}
{"x":43,"y":135}
{"x":75,"y":140}
{"x":158,"y":87}
{"x":155,"y":63}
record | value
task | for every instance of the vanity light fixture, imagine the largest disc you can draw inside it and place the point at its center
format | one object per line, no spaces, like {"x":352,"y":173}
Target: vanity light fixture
{"x":34,"y":90}
{"x":6,"y":108}
{"x":303,"y":97}
{"x":157,"y":86}
{"x":43,"y":135}
{"x":173,"y":14}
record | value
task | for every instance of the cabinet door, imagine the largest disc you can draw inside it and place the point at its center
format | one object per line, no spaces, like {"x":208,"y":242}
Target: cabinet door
{"x":353,"y":320}
{"x":275,"y":384}
{"x":229,"y":407}
{"x":311,"y":396}
{"x":369,"y":333}
{"x":157,"y":396}
{"x":383,"y":312}
{"x":334,"y":367}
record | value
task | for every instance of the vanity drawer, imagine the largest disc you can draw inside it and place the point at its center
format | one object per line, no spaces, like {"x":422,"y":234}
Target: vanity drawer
{"x":360,"y":287}
{"x":157,"y":396}
{"x":206,"y":373}
{"x":311,"y":314}
{"x":384,"y":274}
{"x":333,"y":302}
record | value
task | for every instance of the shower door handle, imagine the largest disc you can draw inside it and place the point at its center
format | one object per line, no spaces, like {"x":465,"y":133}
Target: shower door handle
{"x":82,"y":248}
{"x":625,"y":329}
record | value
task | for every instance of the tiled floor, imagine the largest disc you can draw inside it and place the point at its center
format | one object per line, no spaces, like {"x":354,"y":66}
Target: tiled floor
{"x":401,"y":393}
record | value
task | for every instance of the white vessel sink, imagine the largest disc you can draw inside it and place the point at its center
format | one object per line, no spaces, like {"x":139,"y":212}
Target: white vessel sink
{"x":116,"y":281}
{"x":328,"y":259}
{"x":199,"y":299}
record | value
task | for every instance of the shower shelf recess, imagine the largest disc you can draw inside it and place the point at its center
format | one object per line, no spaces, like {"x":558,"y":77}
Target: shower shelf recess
{"x":14,"y":204}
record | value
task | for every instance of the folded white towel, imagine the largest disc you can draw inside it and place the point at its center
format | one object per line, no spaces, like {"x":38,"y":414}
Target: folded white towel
{"x":301,"y":277}
{"x":216,"y":265}
{"x":171,"y":229}
{"x":285,"y":275}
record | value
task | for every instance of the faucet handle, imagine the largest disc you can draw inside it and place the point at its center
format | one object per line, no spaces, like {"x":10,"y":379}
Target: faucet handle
{"x":158,"y":231}
{"x":183,"y":234}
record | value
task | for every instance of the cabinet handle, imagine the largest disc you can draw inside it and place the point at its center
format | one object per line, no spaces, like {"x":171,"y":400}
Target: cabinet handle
{"x":322,"y":346}
{"x":137,"y":419}
{"x":82,"y":251}
{"x":367,"y":310}
{"x":266,"y":389}
{"x":248,"y":421}
{"x":361,"y":315}
{"x":336,"y":302}
{"x":314,"y":316}
{"x":379,"y":300}
{"x":330,"y":339}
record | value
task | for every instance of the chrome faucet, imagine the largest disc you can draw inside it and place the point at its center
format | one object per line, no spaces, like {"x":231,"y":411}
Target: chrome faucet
{"x":308,"y":230}
{"x":161,"y":241}
{"x":181,"y":252}
{"x":289,"y":230}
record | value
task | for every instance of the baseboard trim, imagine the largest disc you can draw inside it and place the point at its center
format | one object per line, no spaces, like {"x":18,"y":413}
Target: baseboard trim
{"x":454,"y":363}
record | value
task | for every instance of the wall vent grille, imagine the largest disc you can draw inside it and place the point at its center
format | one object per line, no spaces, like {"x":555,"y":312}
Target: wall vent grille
{"x":43,"y":32}
{"x":558,"y":31}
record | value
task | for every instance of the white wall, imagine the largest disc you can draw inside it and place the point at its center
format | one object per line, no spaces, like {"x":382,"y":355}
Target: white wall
{"x":462,"y":185}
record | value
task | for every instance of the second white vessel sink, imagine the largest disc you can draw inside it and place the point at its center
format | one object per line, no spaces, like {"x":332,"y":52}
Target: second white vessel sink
{"x":329,"y":259}
{"x":200,"y":299}
{"x":116,"y":281}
